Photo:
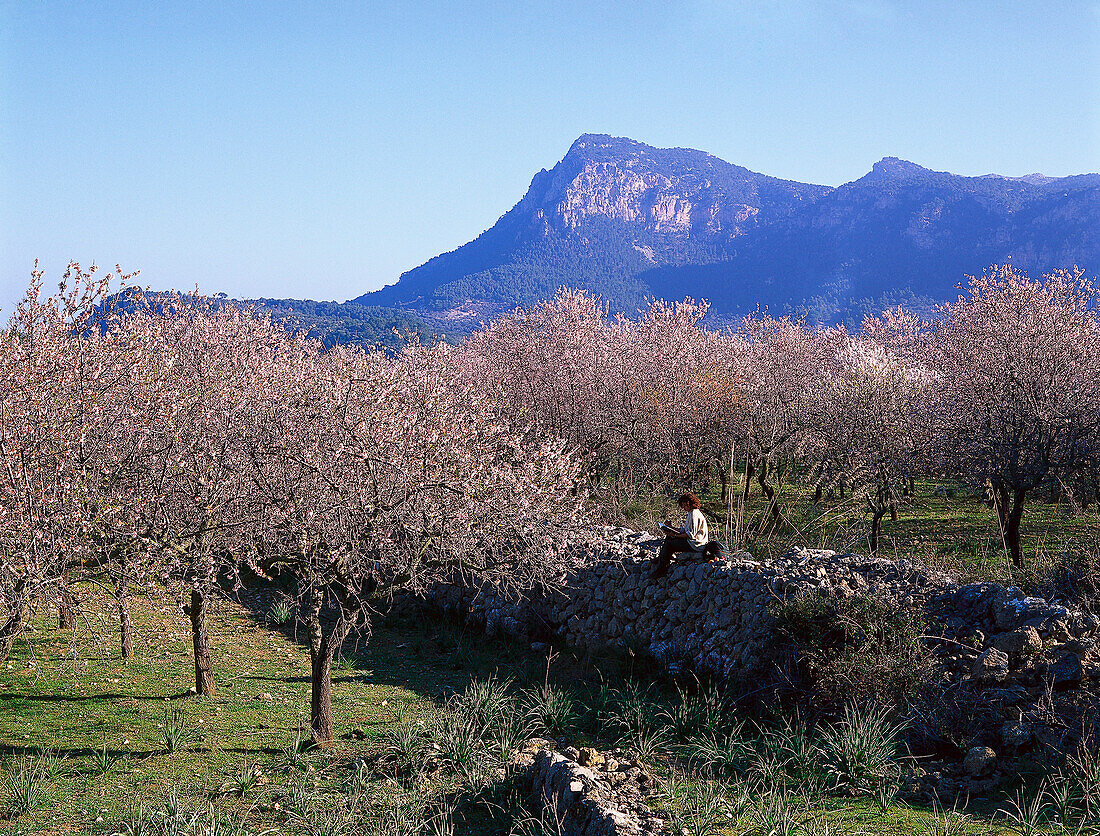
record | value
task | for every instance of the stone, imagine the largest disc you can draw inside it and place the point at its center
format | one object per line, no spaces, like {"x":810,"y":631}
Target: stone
{"x":587,"y":756}
{"x":1067,"y":672}
{"x":1023,"y":640}
{"x":979,"y":761}
{"x":1016,"y":734}
{"x":991,"y":666}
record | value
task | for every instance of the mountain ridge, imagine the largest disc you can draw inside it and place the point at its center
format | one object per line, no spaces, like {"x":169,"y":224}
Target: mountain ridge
{"x":627,"y":220}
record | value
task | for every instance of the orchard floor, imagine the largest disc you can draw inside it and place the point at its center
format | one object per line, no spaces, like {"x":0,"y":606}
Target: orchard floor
{"x":68,"y":692}
{"x":942,"y":524}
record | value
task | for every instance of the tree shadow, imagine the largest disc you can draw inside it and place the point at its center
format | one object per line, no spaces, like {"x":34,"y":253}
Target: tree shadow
{"x":94,"y":697}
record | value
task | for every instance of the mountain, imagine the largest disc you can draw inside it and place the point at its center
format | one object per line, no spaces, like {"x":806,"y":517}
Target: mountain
{"x":901,"y":233}
{"x":626,"y":220}
{"x":608,"y":212}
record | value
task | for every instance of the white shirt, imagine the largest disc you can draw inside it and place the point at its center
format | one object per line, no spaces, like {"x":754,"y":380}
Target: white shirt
{"x":695,"y":528}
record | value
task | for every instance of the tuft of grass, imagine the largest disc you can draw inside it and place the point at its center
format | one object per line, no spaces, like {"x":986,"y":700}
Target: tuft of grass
{"x":406,"y":746}
{"x":690,"y":714}
{"x":24,"y":786}
{"x":103,"y":761}
{"x":859,"y":753}
{"x":551,"y":710}
{"x":176,"y":732}
{"x":702,"y":809}
{"x":280,"y":612}
{"x":721,"y":753}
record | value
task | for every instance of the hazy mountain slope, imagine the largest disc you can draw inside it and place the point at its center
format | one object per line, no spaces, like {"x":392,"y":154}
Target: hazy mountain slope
{"x":611,"y":209}
{"x":901,"y":229}
{"x":625,"y":220}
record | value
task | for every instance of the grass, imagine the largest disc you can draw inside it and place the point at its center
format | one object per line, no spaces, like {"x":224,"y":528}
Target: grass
{"x":942,"y":524}
{"x":123,"y":739}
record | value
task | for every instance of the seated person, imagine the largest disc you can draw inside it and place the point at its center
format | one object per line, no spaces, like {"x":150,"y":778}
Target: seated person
{"x":691,"y":537}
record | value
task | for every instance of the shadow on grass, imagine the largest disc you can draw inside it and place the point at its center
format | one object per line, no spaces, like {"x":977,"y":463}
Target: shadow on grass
{"x":94,"y":697}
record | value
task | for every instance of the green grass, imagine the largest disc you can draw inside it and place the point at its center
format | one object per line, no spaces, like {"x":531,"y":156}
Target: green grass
{"x":69,"y":692}
{"x":958,"y":531}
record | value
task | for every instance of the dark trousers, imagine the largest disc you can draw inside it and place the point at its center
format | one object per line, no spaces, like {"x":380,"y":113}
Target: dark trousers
{"x":674,"y":544}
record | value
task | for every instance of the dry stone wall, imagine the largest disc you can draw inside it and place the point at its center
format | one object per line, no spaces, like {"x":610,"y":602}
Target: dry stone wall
{"x":718,"y":616}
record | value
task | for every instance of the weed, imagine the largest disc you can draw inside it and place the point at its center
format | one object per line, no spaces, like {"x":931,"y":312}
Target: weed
{"x":778,"y":813}
{"x":487,"y":702}
{"x":1027,"y":817}
{"x":406,"y":746}
{"x":295,"y":756}
{"x":176,"y":733}
{"x":103,"y":761}
{"x":551,"y":710}
{"x":721,"y":753}
{"x":24,"y":785}
{"x":859,"y":753}
{"x":243,"y":781}
{"x":948,"y":822}
{"x":699,"y":810}
{"x":281,"y":611}
{"x":791,"y":742}
{"x":632,"y":711}
{"x":692,"y":714}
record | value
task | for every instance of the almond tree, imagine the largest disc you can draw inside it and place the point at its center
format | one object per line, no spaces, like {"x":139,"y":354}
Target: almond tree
{"x":48,"y":503}
{"x":1017,"y":389}
{"x":377,"y":474}
{"x":865,"y":423}
{"x":780,"y":363}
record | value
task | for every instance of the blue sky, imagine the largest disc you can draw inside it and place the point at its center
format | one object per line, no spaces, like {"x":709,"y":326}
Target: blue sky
{"x":317,"y":150}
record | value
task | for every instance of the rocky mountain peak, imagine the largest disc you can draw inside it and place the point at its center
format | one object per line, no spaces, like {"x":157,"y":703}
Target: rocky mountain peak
{"x":665,"y":191}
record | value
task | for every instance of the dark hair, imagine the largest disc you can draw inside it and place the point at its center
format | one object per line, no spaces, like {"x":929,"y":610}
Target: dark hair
{"x":689,"y":499}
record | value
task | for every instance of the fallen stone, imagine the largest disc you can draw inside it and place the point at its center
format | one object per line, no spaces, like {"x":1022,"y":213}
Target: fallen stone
{"x":991,"y":666}
{"x":979,"y":761}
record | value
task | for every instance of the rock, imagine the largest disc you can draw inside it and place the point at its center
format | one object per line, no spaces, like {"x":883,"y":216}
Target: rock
{"x":1066,"y":672}
{"x":979,"y":761}
{"x":1024,"y":640}
{"x":991,"y":666}
{"x":590,"y":757}
{"x":1016,"y":734}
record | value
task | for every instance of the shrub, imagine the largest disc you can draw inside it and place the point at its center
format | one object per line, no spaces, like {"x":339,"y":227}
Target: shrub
{"x":861,"y":648}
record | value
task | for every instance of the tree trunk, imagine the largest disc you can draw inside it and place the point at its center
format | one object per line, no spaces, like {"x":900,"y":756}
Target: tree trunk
{"x":13,"y":625}
{"x":817,"y":494}
{"x":320,"y":697}
{"x":1012,"y":529}
{"x":750,"y":470}
{"x":204,"y":666}
{"x":66,"y":615}
{"x":126,"y":625}
{"x":876,"y":526}
{"x":11,"y":629}
{"x":893,"y":511}
{"x":768,"y":490}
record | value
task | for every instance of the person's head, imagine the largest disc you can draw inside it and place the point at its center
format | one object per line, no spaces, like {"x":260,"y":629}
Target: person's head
{"x":688,"y":502}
